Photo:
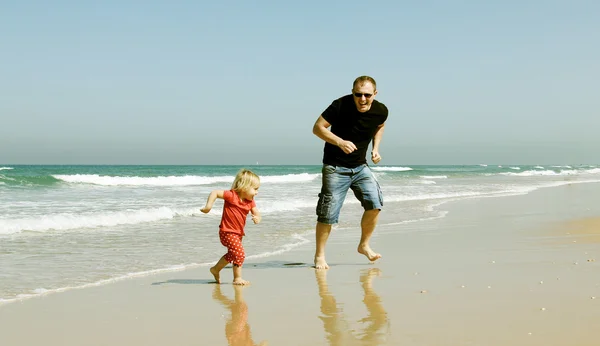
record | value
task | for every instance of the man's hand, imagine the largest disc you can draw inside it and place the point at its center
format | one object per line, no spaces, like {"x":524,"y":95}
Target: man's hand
{"x":205,"y":210}
{"x":375,"y":157}
{"x":347,"y":146}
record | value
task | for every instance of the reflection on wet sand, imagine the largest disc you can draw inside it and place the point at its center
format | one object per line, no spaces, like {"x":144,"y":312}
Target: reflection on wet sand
{"x":237,"y":329}
{"x":337,"y":328}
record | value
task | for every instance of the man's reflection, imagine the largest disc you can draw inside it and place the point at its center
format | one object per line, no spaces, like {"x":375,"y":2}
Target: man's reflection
{"x":337,"y":329}
{"x":237,"y":329}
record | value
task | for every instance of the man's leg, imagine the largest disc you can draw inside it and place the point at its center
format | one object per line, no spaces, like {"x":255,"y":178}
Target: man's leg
{"x":322,"y":234}
{"x":336,"y":183}
{"x":367,"y":191}
{"x":367,"y":224}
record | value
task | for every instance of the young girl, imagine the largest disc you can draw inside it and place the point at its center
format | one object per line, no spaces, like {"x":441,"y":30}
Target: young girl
{"x":238,"y":202}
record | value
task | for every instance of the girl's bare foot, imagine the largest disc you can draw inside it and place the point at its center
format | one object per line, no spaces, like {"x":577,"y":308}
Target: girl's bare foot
{"x":320,"y":263}
{"x":240,"y":281}
{"x":215,"y":273}
{"x":368,"y":252}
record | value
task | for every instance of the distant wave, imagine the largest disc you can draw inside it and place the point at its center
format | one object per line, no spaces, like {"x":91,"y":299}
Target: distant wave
{"x":515,"y":168}
{"x":185,"y":180}
{"x":67,"y":221}
{"x":531,"y":173}
{"x":5,"y":168}
{"x":391,"y":169}
{"x":434,"y":176}
{"x":553,"y":173}
{"x":19,"y":180}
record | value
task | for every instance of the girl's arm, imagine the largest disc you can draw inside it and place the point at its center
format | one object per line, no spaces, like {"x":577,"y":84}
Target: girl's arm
{"x":255,"y":215}
{"x":211,"y":200}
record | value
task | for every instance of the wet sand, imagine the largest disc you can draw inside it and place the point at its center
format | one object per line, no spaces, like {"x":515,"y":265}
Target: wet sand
{"x":517,"y":270}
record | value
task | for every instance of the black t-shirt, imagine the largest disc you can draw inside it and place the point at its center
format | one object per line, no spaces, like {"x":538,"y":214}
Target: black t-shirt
{"x":351,"y":125}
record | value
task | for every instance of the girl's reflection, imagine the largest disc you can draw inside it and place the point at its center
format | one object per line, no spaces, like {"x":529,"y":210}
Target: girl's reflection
{"x":237,"y":329}
{"x":337,"y":329}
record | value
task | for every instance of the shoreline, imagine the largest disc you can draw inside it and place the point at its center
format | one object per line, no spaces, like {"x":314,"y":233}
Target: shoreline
{"x":486,"y":274}
{"x":283,"y":250}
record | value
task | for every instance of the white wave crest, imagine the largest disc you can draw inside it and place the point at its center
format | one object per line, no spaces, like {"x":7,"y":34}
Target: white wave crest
{"x":185,"y":180}
{"x":434,"y":176}
{"x":515,"y":168}
{"x":140,"y":181}
{"x":391,"y":169}
{"x":5,"y":168}
{"x":105,"y":219}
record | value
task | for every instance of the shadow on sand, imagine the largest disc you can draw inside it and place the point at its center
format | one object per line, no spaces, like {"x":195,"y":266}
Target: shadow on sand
{"x":186,"y":282}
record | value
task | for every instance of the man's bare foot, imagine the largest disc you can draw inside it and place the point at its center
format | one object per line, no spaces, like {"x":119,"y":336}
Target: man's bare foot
{"x":368,"y":252}
{"x":320,"y":263}
{"x":240,"y":281}
{"x":216,"y":274}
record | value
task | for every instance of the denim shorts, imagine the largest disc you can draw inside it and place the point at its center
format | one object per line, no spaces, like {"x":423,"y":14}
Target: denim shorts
{"x":336,"y":182}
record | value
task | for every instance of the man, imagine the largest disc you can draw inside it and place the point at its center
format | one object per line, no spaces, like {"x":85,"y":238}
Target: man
{"x":355,"y":121}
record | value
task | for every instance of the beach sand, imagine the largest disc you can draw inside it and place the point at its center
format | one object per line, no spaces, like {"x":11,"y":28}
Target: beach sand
{"x":516,"y":270}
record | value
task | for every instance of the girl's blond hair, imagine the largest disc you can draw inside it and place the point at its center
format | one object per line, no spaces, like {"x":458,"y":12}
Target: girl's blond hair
{"x":245,"y":180}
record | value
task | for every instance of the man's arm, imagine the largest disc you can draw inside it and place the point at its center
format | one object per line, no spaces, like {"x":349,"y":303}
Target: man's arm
{"x":375,"y":157}
{"x":321,"y":130}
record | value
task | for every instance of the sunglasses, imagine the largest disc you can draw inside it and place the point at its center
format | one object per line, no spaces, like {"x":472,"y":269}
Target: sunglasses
{"x":359,"y":95}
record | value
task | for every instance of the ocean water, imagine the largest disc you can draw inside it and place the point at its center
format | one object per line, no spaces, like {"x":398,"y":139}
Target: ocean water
{"x":69,"y":227}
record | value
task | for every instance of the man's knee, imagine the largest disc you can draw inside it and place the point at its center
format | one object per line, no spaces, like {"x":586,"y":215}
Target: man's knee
{"x":371,"y":213}
{"x":323,"y":227}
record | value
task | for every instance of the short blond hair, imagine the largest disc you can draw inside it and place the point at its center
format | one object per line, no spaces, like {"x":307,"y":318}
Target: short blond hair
{"x":245,"y":180}
{"x":362,"y":80}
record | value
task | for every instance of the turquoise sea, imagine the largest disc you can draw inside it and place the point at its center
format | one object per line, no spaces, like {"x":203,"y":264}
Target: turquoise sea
{"x":70,"y":227}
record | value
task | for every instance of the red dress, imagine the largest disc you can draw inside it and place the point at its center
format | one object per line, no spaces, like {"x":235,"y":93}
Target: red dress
{"x":231,"y":229}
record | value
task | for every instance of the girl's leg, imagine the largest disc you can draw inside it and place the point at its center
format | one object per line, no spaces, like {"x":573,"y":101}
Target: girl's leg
{"x":237,"y":276}
{"x":216,"y":269}
{"x":235,"y":255}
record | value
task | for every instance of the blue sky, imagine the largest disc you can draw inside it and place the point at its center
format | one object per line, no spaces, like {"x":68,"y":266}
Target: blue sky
{"x":199,"y":82}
